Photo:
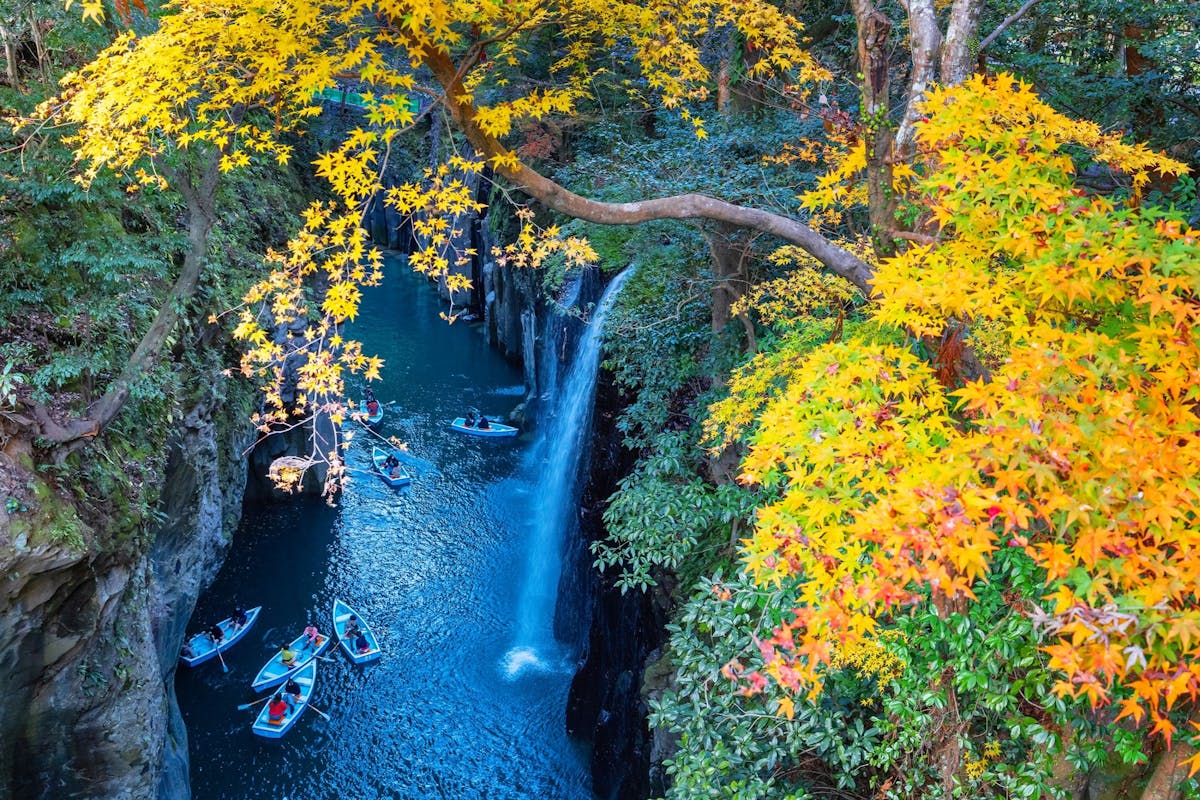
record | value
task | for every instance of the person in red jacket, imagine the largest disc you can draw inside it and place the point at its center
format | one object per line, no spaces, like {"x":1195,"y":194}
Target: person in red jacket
{"x":277,"y":710}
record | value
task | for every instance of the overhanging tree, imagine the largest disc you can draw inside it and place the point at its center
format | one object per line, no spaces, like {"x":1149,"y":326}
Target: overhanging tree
{"x":1000,"y":224}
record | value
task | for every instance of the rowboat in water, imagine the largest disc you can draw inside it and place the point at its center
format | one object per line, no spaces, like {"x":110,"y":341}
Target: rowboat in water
{"x":494,"y":429}
{"x":275,"y":672}
{"x":265,"y":726}
{"x":397,"y":477}
{"x":372,"y":419}
{"x":341,"y":616}
{"x":361,"y":409}
{"x":201,"y":644}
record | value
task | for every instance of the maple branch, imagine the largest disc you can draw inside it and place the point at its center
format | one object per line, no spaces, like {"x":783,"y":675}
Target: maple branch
{"x":1188,"y":107}
{"x":477,"y":47}
{"x":1009,"y":20}
{"x":912,"y":236}
{"x":683,"y":206}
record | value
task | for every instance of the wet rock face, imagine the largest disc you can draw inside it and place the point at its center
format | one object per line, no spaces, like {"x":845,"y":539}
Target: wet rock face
{"x":605,"y":705}
{"x":79,"y":676}
{"x":206,"y":482}
{"x":510,"y":299}
{"x":89,"y":639}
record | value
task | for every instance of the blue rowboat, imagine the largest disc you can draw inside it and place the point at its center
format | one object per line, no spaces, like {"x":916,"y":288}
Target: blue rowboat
{"x":372,"y":419}
{"x":202,"y":644}
{"x":263,"y":726}
{"x":402,"y":478}
{"x":494,"y":430}
{"x":341,"y":615}
{"x":360,"y":409}
{"x":275,"y":672}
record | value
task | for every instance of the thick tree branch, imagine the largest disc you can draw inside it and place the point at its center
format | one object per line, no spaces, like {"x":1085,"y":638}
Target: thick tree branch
{"x":874,"y":36}
{"x":685,"y":206}
{"x":957,"y":60}
{"x":1188,"y":107}
{"x":912,"y":236}
{"x":51,"y":429}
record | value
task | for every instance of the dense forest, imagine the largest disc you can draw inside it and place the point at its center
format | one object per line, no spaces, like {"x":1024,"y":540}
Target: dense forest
{"x":906,"y":370}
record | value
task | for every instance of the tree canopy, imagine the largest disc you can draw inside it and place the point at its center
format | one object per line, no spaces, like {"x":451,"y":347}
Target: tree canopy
{"x":1008,"y":392}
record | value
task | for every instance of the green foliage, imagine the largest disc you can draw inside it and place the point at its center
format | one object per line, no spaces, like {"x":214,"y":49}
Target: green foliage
{"x":1012,"y":737}
{"x":82,"y":276}
{"x":616,"y":164}
{"x":880,"y":726}
{"x":1087,"y":58}
{"x":49,"y":519}
{"x":731,"y":745}
{"x":664,"y":517}
{"x":1184,"y":196}
{"x":10,"y":380}
{"x":656,"y":335}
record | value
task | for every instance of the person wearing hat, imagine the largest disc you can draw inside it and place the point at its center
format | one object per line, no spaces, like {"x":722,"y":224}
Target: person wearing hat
{"x":238,"y":619}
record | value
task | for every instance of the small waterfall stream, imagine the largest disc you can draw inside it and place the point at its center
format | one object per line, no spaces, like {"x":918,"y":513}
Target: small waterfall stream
{"x":556,"y":460}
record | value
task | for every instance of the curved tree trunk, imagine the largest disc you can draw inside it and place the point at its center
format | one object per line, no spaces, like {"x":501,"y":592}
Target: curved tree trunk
{"x":200,"y":196}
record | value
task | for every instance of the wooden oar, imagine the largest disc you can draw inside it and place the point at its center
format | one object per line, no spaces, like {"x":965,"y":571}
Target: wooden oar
{"x":244,"y":706}
{"x":221,"y":658}
{"x":319,"y":711}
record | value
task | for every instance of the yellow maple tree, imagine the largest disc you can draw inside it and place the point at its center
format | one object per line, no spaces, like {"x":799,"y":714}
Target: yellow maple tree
{"x":1079,"y":446}
{"x":234,"y":77}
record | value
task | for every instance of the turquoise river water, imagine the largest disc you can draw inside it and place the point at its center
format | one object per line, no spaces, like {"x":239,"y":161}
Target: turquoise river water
{"x":438,"y":569}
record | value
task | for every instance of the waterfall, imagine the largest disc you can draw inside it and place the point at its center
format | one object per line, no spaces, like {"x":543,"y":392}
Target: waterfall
{"x":558,"y":457}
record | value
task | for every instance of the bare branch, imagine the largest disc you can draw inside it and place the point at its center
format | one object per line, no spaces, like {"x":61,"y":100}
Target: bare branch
{"x":911,"y":236}
{"x":1016,"y":15}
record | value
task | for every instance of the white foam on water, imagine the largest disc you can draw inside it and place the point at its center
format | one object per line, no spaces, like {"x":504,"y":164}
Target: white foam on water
{"x":521,"y":659}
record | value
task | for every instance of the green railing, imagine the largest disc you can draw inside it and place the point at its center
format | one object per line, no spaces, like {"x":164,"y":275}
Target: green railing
{"x":349,"y":98}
